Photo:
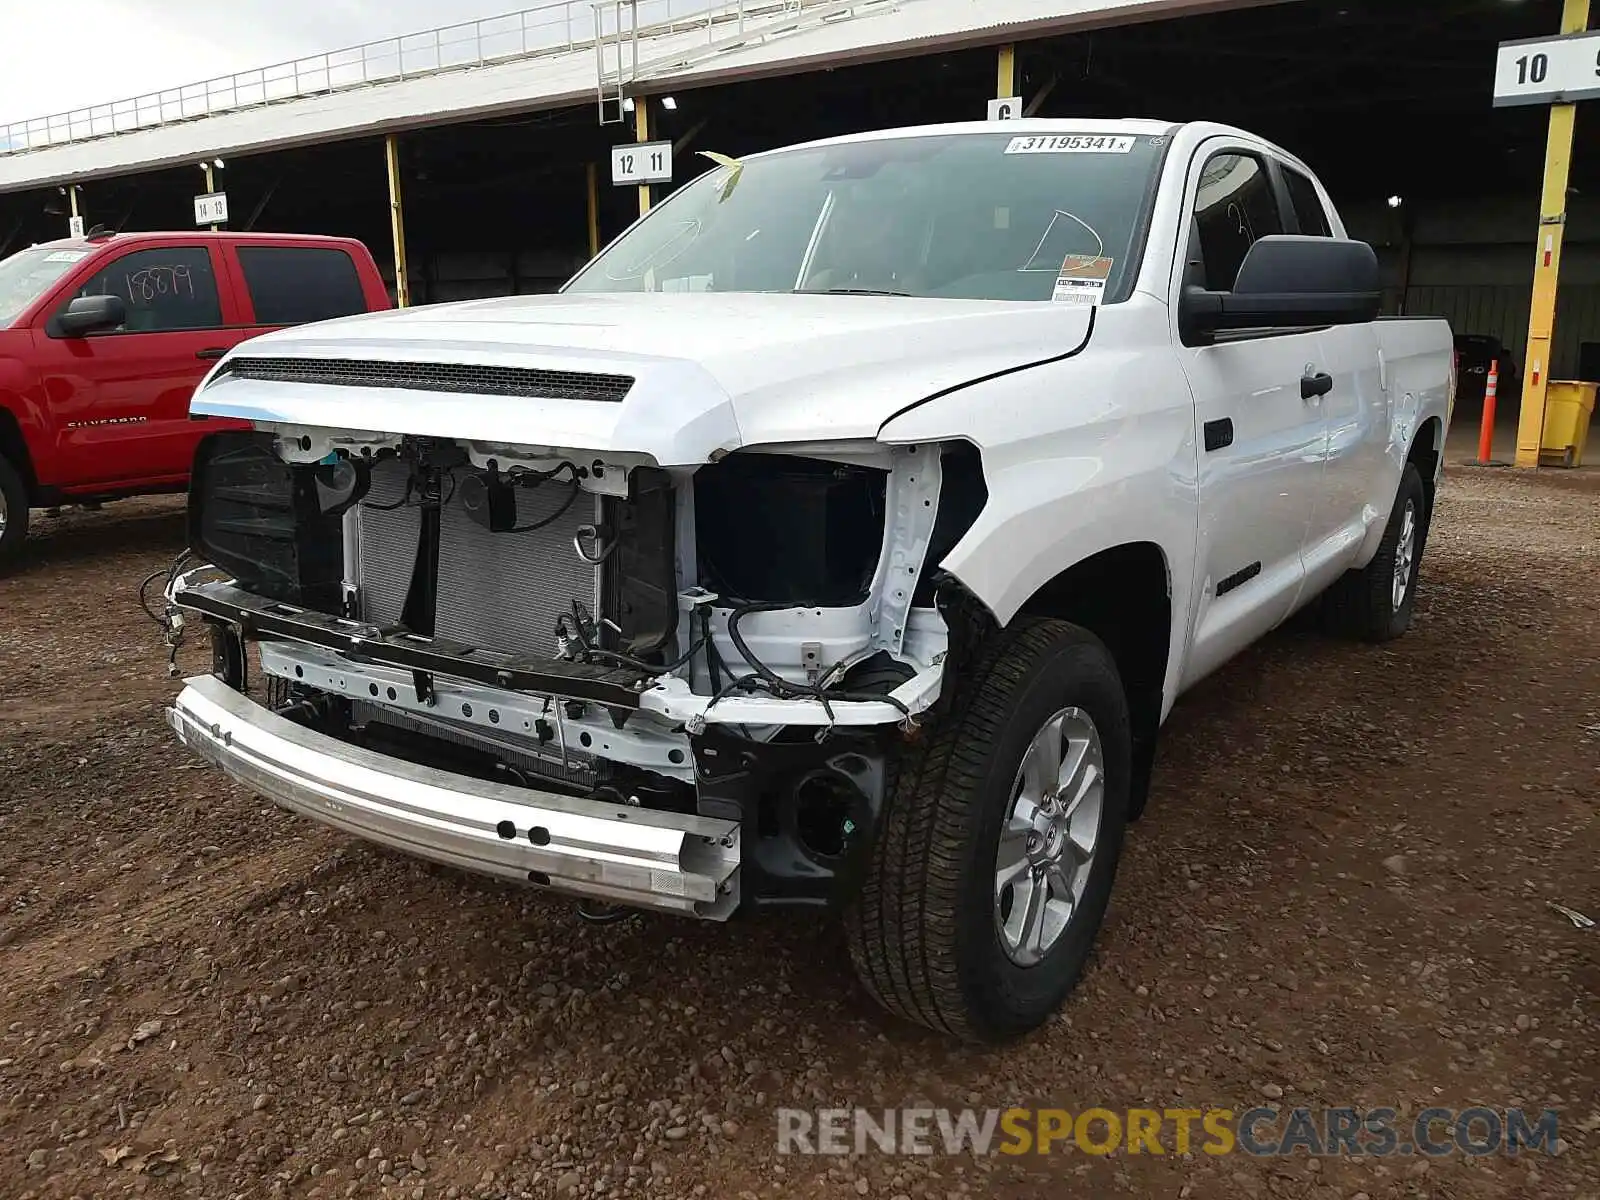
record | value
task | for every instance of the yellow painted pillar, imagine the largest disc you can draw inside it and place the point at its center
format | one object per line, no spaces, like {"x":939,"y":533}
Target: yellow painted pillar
{"x":641,"y":133}
{"x":1547,"y":261}
{"x":397,"y":223}
{"x":211,"y":185}
{"x":592,"y":178}
{"x":1006,"y":85}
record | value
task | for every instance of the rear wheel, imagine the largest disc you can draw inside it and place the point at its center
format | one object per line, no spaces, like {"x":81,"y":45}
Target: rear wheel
{"x":1376,"y":604}
{"x":993,"y":863}
{"x":13,"y":512}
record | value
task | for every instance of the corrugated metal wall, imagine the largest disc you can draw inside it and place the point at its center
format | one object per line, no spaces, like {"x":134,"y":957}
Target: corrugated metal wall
{"x":1503,"y":312}
{"x":1472,"y":263}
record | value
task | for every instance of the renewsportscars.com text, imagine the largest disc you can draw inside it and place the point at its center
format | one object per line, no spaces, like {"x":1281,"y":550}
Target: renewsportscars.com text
{"x":1260,"y":1132}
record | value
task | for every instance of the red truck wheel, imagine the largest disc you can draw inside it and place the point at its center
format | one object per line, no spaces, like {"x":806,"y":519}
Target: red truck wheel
{"x":13,"y":512}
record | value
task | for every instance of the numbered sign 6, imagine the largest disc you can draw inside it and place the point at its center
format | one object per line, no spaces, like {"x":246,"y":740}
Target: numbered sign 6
{"x":641,"y":163}
{"x":1008,"y":109}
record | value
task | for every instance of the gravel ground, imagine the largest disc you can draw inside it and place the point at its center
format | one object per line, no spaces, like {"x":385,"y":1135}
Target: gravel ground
{"x":1341,"y":896}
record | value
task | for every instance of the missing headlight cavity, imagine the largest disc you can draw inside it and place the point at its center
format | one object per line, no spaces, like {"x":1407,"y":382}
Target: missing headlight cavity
{"x":774,"y":528}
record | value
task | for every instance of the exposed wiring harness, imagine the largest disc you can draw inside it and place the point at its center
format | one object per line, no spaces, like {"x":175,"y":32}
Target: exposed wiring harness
{"x":540,"y":478}
{"x":171,"y":617}
{"x":170,"y":573}
{"x":577,"y":631}
{"x":767,"y":680}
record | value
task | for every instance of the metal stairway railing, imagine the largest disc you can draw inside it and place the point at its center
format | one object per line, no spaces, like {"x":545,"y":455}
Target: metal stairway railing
{"x":551,"y":28}
{"x":620,"y":39}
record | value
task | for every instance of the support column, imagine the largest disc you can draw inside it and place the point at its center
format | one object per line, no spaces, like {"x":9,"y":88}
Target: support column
{"x":592,"y":179}
{"x":72,"y":201}
{"x":211,"y":184}
{"x":397,"y":222}
{"x":641,"y":133}
{"x":1006,"y":85}
{"x":1547,"y":261}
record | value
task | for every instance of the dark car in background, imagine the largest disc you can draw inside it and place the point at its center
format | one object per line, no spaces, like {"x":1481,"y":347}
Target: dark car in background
{"x":1474,"y":354}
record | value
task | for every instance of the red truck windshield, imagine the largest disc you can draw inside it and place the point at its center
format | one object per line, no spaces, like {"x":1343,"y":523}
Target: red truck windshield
{"x":28,"y":274}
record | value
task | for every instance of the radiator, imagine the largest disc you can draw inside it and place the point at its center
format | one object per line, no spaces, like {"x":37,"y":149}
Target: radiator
{"x":496,"y":591}
{"x":504,"y":591}
{"x":388,"y":539}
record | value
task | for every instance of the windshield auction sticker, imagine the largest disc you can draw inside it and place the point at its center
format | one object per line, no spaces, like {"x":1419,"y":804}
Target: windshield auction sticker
{"x":1072,"y":143}
{"x":1082,"y":279}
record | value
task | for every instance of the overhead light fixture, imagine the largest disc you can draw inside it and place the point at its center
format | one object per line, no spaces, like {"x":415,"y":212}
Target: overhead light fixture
{"x":627,"y":104}
{"x":217,"y":162}
{"x":669,"y":103}
{"x":1396,"y":201}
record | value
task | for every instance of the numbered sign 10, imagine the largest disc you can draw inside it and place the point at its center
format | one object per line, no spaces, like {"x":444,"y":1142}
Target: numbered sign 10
{"x":1548,"y":70}
{"x":211,"y":209}
{"x":641,"y":163}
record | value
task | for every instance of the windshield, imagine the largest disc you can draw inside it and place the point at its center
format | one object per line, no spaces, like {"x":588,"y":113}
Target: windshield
{"x":29,"y":274}
{"x":978,"y":216}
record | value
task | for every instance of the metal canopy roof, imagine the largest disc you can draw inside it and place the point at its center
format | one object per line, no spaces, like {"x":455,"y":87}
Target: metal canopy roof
{"x":538,"y":59}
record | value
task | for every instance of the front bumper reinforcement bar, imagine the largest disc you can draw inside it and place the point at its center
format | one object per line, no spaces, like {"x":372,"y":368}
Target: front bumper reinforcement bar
{"x":658,"y":860}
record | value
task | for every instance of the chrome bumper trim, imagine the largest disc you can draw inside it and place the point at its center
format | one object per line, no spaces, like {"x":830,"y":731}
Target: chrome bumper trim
{"x":656,"y":860}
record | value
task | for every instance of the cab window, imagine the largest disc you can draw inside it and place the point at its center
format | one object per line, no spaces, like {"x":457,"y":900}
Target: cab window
{"x":1236,"y":207}
{"x":1308,"y":208}
{"x":292,"y":285}
{"x":166,"y":289}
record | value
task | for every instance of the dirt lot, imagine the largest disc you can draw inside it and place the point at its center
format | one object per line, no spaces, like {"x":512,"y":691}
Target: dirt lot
{"x":1340,"y":897}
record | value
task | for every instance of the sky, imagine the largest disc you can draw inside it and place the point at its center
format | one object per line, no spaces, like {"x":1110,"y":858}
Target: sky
{"x":56,"y":57}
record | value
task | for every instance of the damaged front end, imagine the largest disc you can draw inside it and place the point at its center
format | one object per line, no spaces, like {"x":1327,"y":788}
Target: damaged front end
{"x":677,"y":688}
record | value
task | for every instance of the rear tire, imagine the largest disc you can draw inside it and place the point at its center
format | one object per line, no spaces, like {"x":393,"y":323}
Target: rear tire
{"x":1376,"y":604}
{"x":993,"y":862}
{"x":13,"y":512}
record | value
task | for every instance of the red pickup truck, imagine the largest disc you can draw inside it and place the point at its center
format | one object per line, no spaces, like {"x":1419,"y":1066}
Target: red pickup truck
{"x":104,"y":339}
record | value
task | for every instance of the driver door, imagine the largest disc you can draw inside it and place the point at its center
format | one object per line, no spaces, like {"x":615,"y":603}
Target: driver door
{"x":1262,"y":444}
{"x":120,"y":398}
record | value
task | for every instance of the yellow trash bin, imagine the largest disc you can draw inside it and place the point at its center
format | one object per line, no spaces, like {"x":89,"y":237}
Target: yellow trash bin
{"x":1567,"y":409}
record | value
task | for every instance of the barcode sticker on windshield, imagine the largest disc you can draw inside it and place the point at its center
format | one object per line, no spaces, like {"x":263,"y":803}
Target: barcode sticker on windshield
{"x":1072,"y":143}
{"x":1082,"y":279}
{"x":66,"y":256}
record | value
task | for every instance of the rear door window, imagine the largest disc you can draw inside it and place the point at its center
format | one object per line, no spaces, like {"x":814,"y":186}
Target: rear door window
{"x":166,"y":289}
{"x":1308,"y":208}
{"x":291,"y":285}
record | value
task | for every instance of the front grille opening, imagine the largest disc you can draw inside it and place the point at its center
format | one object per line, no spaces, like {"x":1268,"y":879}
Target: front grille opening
{"x":436,"y":377}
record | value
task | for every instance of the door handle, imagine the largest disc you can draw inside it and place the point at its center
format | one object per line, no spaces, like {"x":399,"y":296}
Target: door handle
{"x":1312,"y":386}
{"x":211,"y":352}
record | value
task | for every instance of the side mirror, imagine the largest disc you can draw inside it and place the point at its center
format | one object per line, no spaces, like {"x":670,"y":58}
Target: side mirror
{"x":1289,"y":282}
{"x":88,"y":314}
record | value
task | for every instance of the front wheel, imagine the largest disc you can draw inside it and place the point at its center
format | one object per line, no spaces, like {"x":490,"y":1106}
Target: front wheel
{"x":994,"y":859}
{"x":13,"y":512}
{"x":1376,"y":604}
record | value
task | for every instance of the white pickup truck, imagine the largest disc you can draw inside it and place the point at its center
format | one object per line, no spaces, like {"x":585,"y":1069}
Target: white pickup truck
{"x":840,"y":537}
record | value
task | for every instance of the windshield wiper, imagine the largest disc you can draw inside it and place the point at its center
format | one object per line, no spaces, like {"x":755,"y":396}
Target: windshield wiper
{"x":847,"y":292}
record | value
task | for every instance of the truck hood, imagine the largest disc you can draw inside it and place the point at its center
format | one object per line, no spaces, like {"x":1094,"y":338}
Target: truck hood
{"x":712,"y":371}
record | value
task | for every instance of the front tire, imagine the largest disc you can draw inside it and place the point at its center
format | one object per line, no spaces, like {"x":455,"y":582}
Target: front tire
{"x":13,"y":512}
{"x":993,"y":864}
{"x":1376,"y":604}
